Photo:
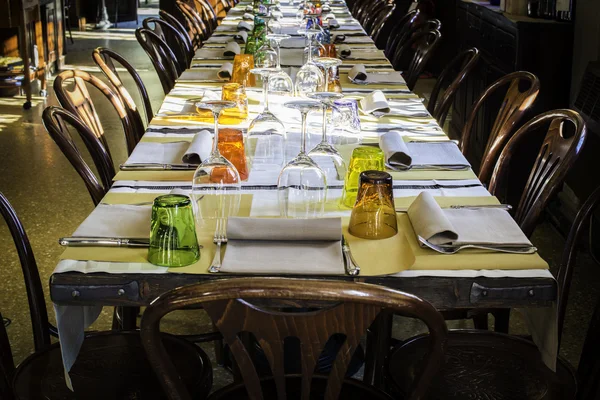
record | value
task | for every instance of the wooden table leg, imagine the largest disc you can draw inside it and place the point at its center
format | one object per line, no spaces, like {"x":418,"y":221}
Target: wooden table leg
{"x":379,"y":337}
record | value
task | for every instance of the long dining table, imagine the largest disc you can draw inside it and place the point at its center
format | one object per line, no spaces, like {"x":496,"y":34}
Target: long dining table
{"x":88,"y":278}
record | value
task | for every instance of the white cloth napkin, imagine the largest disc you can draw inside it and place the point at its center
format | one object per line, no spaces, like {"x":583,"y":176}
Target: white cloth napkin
{"x":284,"y":246}
{"x":116,"y":221}
{"x":197,"y":75}
{"x":249,"y":9}
{"x":399,"y":153}
{"x":199,"y":149}
{"x":241,"y":37}
{"x":225,"y":71}
{"x":245,"y":26}
{"x":232,"y":49}
{"x":333,"y":24}
{"x":339,"y":38}
{"x":248,"y":17}
{"x":374,"y":101}
{"x":330,"y":15}
{"x":173,"y":152}
{"x":346,"y":51}
{"x":358,"y":73}
{"x":485,"y":226}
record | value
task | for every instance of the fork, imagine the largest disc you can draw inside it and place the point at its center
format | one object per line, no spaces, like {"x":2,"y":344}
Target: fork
{"x":456,"y":249}
{"x":219,"y":238}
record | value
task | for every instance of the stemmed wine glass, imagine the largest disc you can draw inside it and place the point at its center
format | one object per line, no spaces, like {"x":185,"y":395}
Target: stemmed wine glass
{"x":280,"y":82}
{"x":327,"y":63}
{"x":302,"y":185}
{"x":266,"y":133}
{"x":216,"y":176}
{"x":309,"y":78}
{"x":265,"y":56}
{"x":324,"y":154}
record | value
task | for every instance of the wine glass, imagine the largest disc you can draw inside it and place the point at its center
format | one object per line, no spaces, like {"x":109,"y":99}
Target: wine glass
{"x":302,"y":185}
{"x":280,"y":82}
{"x":327,"y":63}
{"x":324,"y":154}
{"x":309,"y":78}
{"x":216,"y":176}
{"x":266,"y":133}
{"x":265,"y":56}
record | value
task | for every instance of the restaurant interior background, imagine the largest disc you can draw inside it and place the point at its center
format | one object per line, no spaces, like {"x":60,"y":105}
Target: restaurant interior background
{"x":52,"y":201}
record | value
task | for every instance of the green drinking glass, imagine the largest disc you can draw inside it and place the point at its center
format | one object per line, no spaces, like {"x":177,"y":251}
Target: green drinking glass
{"x":364,"y":158}
{"x":173,"y":241}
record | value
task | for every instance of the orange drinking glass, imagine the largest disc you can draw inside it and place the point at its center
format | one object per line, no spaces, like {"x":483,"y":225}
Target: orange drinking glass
{"x":231,"y":146}
{"x":242,"y":64}
{"x":236,"y":93}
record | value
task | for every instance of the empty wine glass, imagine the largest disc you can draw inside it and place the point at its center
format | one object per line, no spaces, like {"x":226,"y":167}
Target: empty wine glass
{"x":324,"y":154}
{"x":216,"y":176}
{"x":280,"y":82}
{"x":309,"y":78}
{"x":327,"y":63}
{"x":266,"y":133}
{"x":265,"y":56}
{"x":302,"y":185}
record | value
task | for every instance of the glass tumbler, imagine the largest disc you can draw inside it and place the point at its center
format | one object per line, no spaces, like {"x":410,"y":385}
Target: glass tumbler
{"x":345,"y":116}
{"x":242,"y":64}
{"x":173,"y":241}
{"x":374,"y":215}
{"x":237,"y":93}
{"x":231,"y":146}
{"x":364,"y":158}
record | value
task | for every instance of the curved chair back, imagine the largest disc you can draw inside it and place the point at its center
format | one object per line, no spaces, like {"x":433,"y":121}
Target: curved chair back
{"x":366,"y":20}
{"x":422,"y":45}
{"x":55,"y":120}
{"x":79,"y":102}
{"x":465,"y":62}
{"x":7,"y":364}
{"x":162,"y":57}
{"x":105,"y":60}
{"x":399,"y":31}
{"x":402,"y":54}
{"x":209,"y":14}
{"x":184,"y":49}
{"x":381,"y":20}
{"x":555,"y":158}
{"x":196,"y":24}
{"x":231,"y":305}
{"x":513,"y":107}
{"x":179,"y":25}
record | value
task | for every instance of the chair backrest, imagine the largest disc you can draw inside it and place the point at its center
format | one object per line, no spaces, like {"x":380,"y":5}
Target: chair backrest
{"x":402,"y":55}
{"x":196,"y":24}
{"x":422,"y":44}
{"x":55,"y":120}
{"x":465,"y":63}
{"x":209,"y":14}
{"x":556,"y":156}
{"x":366,"y":19}
{"x":179,"y":25}
{"x":514,"y":106}
{"x":105,"y":60}
{"x":399,"y":31}
{"x":231,"y":304}
{"x":163,"y":59}
{"x":79,"y":102}
{"x":381,"y":20}
{"x":183,"y":49}
{"x":7,"y":364}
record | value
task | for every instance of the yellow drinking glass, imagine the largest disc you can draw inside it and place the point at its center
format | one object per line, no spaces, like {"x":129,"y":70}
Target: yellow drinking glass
{"x":231,"y":146}
{"x":364,"y":158}
{"x":237,"y":93}
{"x":242,"y":64}
{"x":374,"y":215}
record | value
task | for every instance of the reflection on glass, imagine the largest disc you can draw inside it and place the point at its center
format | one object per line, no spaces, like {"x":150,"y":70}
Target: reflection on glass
{"x":279,"y":81}
{"x":309,"y":78}
{"x":238,"y":114}
{"x":364,"y":158}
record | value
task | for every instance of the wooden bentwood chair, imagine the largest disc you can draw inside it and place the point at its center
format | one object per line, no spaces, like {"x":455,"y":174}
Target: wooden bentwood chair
{"x":184,"y":49}
{"x":162,"y":57}
{"x":399,"y":31}
{"x":245,"y":305}
{"x":514,"y":106}
{"x":110,"y":365}
{"x":488,"y":365}
{"x":422,"y":46}
{"x":196,"y":26}
{"x":79,"y":102}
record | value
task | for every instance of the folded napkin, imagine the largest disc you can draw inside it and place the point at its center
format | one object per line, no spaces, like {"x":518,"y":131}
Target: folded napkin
{"x":345,"y":51}
{"x":284,"y":246}
{"x":173,"y":152}
{"x":374,"y":101}
{"x":330,"y":16}
{"x":208,"y":95}
{"x":333,"y":24}
{"x":358,"y":73}
{"x":225,"y":71}
{"x":399,"y":153}
{"x":277,"y":14}
{"x":249,"y":9}
{"x":248,"y":17}
{"x":484,"y":226}
{"x":232,"y":49}
{"x":245,"y":26}
{"x":241,"y":37}
{"x":339,"y":38}
{"x":197,"y":75}
{"x":117,"y":221}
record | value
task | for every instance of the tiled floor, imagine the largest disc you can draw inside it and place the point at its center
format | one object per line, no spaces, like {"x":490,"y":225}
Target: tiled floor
{"x":51,"y":200}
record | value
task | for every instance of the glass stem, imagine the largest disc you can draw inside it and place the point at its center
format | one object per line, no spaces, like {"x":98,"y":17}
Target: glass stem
{"x":215,"y":149}
{"x":303,"y":142}
{"x":266,"y":92}
{"x":324,"y":138}
{"x":278,"y":54}
{"x":326,"y":79}
{"x":309,"y":58}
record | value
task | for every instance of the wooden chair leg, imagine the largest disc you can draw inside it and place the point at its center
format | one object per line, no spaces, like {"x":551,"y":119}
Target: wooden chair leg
{"x":501,"y":320}
{"x":480,"y":321}
{"x":379,"y":337}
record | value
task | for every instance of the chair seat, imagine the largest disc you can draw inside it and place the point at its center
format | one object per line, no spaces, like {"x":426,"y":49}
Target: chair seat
{"x":483,"y":365}
{"x":110,"y":366}
{"x":351,"y":389}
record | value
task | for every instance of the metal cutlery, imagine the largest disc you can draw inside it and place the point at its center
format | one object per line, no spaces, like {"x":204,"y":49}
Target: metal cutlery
{"x":432,"y":167}
{"x":157,"y":167}
{"x":103,"y":242}
{"x":145,"y":203}
{"x":352,"y":267}
{"x":506,"y":207}
{"x":219,"y":238}
{"x":449,"y":249}
{"x":416,"y":114}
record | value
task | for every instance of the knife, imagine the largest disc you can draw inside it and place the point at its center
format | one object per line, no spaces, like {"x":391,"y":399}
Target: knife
{"x":351,"y":267}
{"x":157,"y":167}
{"x":103,"y":242}
{"x":506,"y":207}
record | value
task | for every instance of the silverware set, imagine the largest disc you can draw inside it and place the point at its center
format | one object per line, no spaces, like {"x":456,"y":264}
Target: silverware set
{"x":452,"y":249}
{"x":352,"y":267}
{"x":219,"y":238}
{"x":430,"y":167}
{"x":157,"y":167}
{"x":506,"y":207}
